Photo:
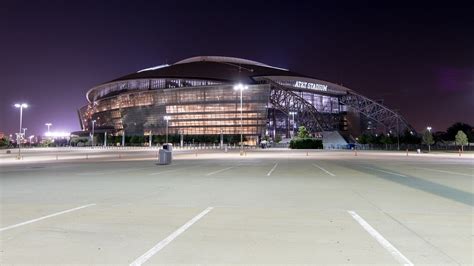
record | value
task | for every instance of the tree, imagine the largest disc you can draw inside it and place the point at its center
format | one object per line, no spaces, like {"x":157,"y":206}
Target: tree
{"x":278,"y":138}
{"x":454,"y":129}
{"x":303,"y":132}
{"x":136,"y":140}
{"x":409,"y":137}
{"x":428,"y":139}
{"x":4,"y":142}
{"x":461,"y":139}
{"x":386,"y":140}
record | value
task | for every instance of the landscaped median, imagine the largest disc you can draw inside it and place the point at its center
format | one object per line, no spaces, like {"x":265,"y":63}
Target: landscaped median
{"x":304,"y":140}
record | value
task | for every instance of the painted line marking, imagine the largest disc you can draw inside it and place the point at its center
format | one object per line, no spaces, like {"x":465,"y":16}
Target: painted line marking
{"x":114,"y":171}
{"x":163,"y":243}
{"x":45,"y":217}
{"x":327,"y":172}
{"x":273,"y":169}
{"x":168,"y":171}
{"x":387,"y":172}
{"x":446,"y":172}
{"x":382,"y":241}
{"x":218,"y":171}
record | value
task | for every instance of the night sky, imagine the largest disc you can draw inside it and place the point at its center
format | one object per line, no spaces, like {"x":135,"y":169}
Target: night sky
{"x":419,"y":60}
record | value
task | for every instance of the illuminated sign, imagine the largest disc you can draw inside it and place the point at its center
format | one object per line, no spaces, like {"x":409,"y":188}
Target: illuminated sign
{"x":311,"y":86}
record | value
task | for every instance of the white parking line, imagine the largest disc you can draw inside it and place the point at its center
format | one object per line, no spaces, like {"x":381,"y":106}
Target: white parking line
{"x":168,"y":171}
{"x":218,"y":171}
{"x":446,"y":172}
{"x":45,"y":217}
{"x":382,"y":241}
{"x":387,"y":172}
{"x":327,"y":172}
{"x":143,"y":258}
{"x":114,"y":171}
{"x":273,"y":169}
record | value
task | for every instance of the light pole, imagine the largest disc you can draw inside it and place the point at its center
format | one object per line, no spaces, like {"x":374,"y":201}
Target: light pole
{"x":240,"y":87}
{"x":92,"y":136}
{"x":167,"y":118}
{"x":429,"y":144}
{"x":292,"y":113}
{"x":21,"y":106}
{"x":398,"y":133}
{"x":48,"y":125}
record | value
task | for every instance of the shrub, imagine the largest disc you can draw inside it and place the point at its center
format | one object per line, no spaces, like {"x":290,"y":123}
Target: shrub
{"x":306,"y":143}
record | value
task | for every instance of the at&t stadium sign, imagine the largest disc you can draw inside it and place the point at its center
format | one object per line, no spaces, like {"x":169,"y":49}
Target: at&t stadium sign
{"x":310,"y":85}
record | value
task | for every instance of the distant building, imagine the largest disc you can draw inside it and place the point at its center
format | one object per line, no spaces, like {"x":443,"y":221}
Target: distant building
{"x":197,"y":96}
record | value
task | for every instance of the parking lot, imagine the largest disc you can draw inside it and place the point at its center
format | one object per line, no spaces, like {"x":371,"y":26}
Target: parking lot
{"x":211,"y":207}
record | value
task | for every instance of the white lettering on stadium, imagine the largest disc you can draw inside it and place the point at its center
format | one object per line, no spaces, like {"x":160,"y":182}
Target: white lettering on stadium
{"x":312,"y":86}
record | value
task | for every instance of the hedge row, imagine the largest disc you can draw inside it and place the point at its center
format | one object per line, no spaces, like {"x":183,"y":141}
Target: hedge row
{"x":306,"y":143}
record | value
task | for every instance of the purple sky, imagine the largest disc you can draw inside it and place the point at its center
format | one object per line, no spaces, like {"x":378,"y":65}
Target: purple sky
{"x":419,"y":60}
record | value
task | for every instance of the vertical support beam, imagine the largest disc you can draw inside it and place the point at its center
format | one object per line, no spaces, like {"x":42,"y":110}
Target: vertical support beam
{"x":222,"y":140}
{"x":150,"y":137}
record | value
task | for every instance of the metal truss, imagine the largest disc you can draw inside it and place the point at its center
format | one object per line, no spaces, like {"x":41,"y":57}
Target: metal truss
{"x":376,"y":112}
{"x":286,"y":101}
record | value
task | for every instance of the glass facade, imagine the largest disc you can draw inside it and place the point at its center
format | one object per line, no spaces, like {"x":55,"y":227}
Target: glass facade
{"x":200,"y":110}
{"x":200,"y":107}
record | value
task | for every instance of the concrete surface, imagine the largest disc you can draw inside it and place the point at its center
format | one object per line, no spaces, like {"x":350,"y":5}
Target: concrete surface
{"x":270,"y":207}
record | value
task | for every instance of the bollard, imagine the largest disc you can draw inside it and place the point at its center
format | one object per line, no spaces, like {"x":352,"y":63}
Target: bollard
{"x":459,"y":152}
{"x":87,"y":156}
{"x":355,"y":152}
{"x":120,"y":156}
{"x":196,"y":154}
{"x":306,"y":153}
{"x":56,"y":157}
{"x":407,"y":152}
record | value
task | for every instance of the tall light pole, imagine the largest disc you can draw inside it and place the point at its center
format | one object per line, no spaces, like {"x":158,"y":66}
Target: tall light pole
{"x":398,"y":133}
{"x":48,"y":125}
{"x":167,"y":118}
{"x":21,"y":106}
{"x":240,"y":87}
{"x":92,"y":136}
{"x":429,"y":145}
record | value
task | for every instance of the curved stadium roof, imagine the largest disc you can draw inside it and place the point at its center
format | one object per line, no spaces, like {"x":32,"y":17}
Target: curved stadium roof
{"x":217,"y":68}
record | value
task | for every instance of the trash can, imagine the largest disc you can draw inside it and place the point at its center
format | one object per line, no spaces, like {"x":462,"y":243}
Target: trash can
{"x":166,"y":154}
{"x":168,"y":147}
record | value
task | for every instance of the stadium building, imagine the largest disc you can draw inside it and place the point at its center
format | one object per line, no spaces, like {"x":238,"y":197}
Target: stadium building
{"x":197,"y":96}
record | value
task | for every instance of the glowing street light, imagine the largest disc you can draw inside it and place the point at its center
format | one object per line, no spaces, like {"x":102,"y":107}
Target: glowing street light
{"x":429,"y":130}
{"x":21,"y":106}
{"x":240,"y":87}
{"x":48,"y":125}
{"x":167,"y":118}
